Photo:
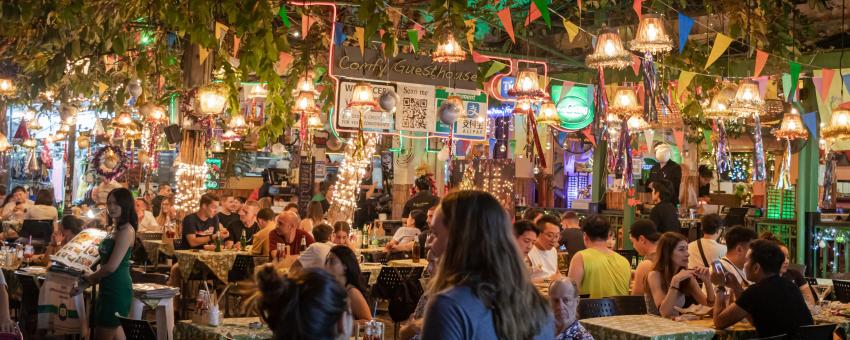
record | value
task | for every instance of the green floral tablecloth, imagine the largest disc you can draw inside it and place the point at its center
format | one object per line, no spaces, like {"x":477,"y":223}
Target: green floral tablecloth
{"x":219,"y":263}
{"x":154,"y":247}
{"x":630,"y":327}
{"x":230,"y":328}
{"x":739,"y":331}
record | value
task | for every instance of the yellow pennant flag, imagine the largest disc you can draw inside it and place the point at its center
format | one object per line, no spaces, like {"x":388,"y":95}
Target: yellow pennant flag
{"x":361,"y":39}
{"x":544,"y":81}
{"x":685,"y":78}
{"x":572,"y":29}
{"x":101,"y":87}
{"x":203,"y":53}
{"x":721,"y":43}
{"x":470,"y":32}
{"x":220,"y":30}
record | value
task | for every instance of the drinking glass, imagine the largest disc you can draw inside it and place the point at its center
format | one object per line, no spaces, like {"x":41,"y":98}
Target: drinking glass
{"x":28,"y":253}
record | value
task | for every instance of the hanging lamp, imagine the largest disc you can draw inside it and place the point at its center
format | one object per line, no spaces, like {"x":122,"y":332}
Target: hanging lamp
{"x":747,"y":102}
{"x":305,"y":83}
{"x":305,"y":103}
{"x":625,"y":102}
{"x":4,"y":143}
{"x":548,"y":114}
{"x":637,"y":124}
{"x":651,"y":36}
{"x":362,"y":98}
{"x":448,"y":51}
{"x":719,"y":107}
{"x":609,"y":52}
{"x":314,"y":122}
{"x":522,"y":108}
{"x":839,"y":127}
{"x":527,"y":87}
{"x":212,"y":99}
{"x":7,"y":87}
{"x":238,"y":125}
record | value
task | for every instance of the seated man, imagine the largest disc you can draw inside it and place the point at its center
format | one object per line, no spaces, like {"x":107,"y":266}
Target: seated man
{"x":316,"y":253}
{"x":526,"y":234}
{"x":563,"y":297}
{"x":598,"y":270}
{"x":201,"y":228}
{"x":773,"y":305}
{"x":644,"y":238}
{"x":544,"y":254}
{"x":704,"y":251}
{"x":246,"y":226}
{"x":571,"y":237}
{"x":287,"y":233}
{"x":737,"y":244}
{"x":260,"y":243}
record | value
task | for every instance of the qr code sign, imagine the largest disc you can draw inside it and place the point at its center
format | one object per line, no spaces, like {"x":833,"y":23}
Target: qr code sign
{"x":414,"y":113}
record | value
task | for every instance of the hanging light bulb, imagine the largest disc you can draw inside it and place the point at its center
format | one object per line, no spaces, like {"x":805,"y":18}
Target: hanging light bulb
{"x":637,"y":124}
{"x":651,"y":36}
{"x":305,"y":83}
{"x":305,"y":103}
{"x":625,"y":102}
{"x":212,"y":99}
{"x":362,"y":98}
{"x":448,"y":51}
{"x":747,"y":102}
{"x":792,"y":126}
{"x":123,"y":120}
{"x":609,"y":52}
{"x":839,"y":127}
{"x":7,"y":87}
{"x":238,"y":125}
{"x":527,"y":87}
{"x":721,"y":102}
{"x":228,"y":136}
{"x":314,"y":122}
{"x":548,"y":114}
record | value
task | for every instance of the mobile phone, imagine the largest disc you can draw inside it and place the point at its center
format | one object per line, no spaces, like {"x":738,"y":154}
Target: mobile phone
{"x":718,"y":268}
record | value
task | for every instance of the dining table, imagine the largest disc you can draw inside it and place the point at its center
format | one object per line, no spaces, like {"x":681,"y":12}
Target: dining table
{"x":739,"y":331}
{"x":219,"y":263}
{"x":155,"y":247}
{"x":408,"y":263}
{"x":249,"y":328}
{"x":644,"y":327}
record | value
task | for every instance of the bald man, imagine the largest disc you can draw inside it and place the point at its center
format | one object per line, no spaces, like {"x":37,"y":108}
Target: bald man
{"x":288,"y":233}
{"x":563,"y":296}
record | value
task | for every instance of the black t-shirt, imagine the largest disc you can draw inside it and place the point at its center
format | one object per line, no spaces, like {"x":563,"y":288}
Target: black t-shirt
{"x":192,"y":224}
{"x":236,"y":229}
{"x":573,"y":240}
{"x":671,"y":172}
{"x":422,"y":200}
{"x":705,"y":190}
{"x":776,"y":306}
{"x":666,"y":217}
{"x":156,"y":203}
{"x":227,"y":220}
{"x":795,"y":276}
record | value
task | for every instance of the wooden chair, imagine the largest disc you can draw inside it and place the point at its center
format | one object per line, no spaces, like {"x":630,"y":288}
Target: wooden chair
{"x":594,"y":308}
{"x":841,"y":289}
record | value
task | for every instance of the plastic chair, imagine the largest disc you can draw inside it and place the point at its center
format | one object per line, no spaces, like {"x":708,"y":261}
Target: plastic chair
{"x":136,"y":329}
{"x":243,"y":268}
{"x":594,"y":308}
{"x":630,"y":305}
{"x":815,"y":332}
{"x":841,"y":289}
{"x":142,"y":277}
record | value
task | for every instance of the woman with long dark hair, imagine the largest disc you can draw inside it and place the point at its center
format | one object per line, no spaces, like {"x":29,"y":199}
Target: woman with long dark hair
{"x":481,"y":289}
{"x":664,"y":214}
{"x":343,"y":265}
{"x":671,"y":284}
{"x":43,"y":208}
{"x":309,"y":305}
{"x":116,"y":286}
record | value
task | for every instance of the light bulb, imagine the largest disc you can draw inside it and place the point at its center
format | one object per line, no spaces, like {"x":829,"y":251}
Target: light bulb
{"x":747,"y":95}
{"x":502,"y":148}
{"x":651,"y":31}
{"x":536,"y":170}
{"x":842,"y":119}
{"x":609,"y":48}
{"x":480,"y":119}
{"x":449,"y":47}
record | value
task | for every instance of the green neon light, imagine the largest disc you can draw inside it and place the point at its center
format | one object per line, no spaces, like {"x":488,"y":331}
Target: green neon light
{"x":172,"y":107}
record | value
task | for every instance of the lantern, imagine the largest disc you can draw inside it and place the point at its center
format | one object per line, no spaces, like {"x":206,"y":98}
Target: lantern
{"x":238,"y":125}
{"x":651,"y":37}
{"x":839,"y":127}
{"x":720,"y":103}
{"x":747,"y":102}
{"x":609,"y":52}
{"x":522,"y":108}
{"x":792,"y":126}
{"x":123,"y":120}
{"x":527,"y":87}
{"x":362,"y":98}
{"x":548,"y":114}
{"x":448,"y":51}
{"x":212,"y":99}
{"x":314,"y":122}
{"x":625,"y":102}
{"x":153,"y":113}
{"x":258,"y":91}
{"x":305,"y":103}
{"x":637,"y":124}
{"x":7,"y":87}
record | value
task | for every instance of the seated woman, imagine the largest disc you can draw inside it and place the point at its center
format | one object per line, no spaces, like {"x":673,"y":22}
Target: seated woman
{"x":563,"y":296}
{"x":403,"y":238}
{"x":671,"y":284}
{"x":167,"y":218}
{"x":312,"y":300}
{"x":343,"y":265}
{"x":69,"y":227}
{"x":43,"y":208}
{"x":792,"y":275}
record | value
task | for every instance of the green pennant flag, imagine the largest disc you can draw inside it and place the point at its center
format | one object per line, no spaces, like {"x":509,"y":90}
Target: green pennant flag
{"x":413,"y":36}
{"x":543,"y":6}
{"x":795,"y":76}
{"x":284,"y":16}
{"x":707,"y":135}
{"x":495,"y":67}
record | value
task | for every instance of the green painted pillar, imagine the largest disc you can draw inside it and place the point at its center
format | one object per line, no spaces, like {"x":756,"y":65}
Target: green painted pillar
{"x":807,"y":186}
{"x":628,"y":219}
{"x":597,"y":186}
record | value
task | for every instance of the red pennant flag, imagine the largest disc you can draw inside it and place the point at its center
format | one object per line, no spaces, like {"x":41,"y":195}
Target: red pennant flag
{"x":761,"y":60}
{"x":381,"y":32}
{"x":306,"y":22}
{"x":637,"y":7}
{"x":589,"y":135}
{"x":283,"y":60}
{"x":533,"y":14}
{"x":679,"y":135}
{"x":505,"y":17}
{"x":419,"y":29}
{"x":579,"y":8}
{"x":479,"y":58}
{"x":236,"y":42}
{"x":635,"y":64}
{"x":640,"y":93}
{"x":827,"y":75}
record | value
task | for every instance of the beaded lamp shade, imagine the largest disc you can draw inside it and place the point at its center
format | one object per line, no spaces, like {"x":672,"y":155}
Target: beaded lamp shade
{"x":839,"y":127}
{"x":527,"y":87}
{"x":609,"y":52}
{"x":625,"y":103}
{"x":362,"y":98}
{"x":792,"y":126}
{"x":651,"y":36}
{"x":720,"y":105}
{"x":448,"y":51}
{"x":548,"y":114}
{"x":747,"y":102}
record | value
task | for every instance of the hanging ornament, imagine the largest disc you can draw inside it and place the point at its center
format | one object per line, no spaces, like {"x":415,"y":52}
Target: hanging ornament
{"x":637,"y":124}
{"x":238,"y":125}
{"x":721,"y":148}
{"x":828,"y":201}
{"x":388,"y":101}
{"x":625,"y":156}
{"x":625,"y":103}
{"x":721,"y":102}
{"x":609,"y":52}
{"x":759,"y":169}
{"x":362,"y":98}
{"x":109,"y":161}
{"x":450,"y":109}
{"x":792,"y":126}
{"x":7,"y":87}
{"x":29,"y":143}
{"x":548,"y":115}
{"x":650,"y":87}
{"x":258,"y":91}
{"x":134,"y":88}
{"x":229,"y":136}
{"x":448,"y":51}
{"x":211,"y":99}
{"x":651,"y":36}
{"x":839,"y":127}
{"x":747,"y":102}
{"x":527,"y":87}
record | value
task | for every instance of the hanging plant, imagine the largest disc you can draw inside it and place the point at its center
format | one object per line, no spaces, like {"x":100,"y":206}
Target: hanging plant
{"x":109,"y":161}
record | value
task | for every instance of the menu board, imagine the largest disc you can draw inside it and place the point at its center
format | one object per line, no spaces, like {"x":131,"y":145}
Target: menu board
{"x":372,"y":120}
{"x":81,"y":252}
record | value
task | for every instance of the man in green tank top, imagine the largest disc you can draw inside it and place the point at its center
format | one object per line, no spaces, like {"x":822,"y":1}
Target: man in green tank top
{"x":599,"y":271}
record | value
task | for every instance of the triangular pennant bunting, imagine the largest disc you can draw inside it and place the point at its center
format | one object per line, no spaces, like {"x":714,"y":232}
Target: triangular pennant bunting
{"x":419,"y":29}
{"x":679,"y":136}
{"x":636,"y":64}
{"x":811,"y":121}
{"x":637,"y":7}
{"x":203,"y":53}
{"x":479,"y":58}
{"x":589,"y":135}
{"x":795,"y":68}
{"x":361,"y":40}
{"x":495,"y":67}
{"x":533,"y":14}
{"x":786,"y":85}
{"x":339,"y":34}
{"x":505,"y":17}
{"x":721,"y":43}
{"x":763,"y":81}
{"x":284,"y":16}
{"x":220,"y":31}
{"x":543,"y":6}
{"x":572,"y":29}
{"x":685,"y":26}
{"x":685,"y":78}
{"x":236,"y":42}
{"x":846,"y":79}
{"x":283,"y":61}
{"x":566,"y":86}
{"x":827,"y":75}
{"x":761,"y":60}
{"x":306,"y":22}
{"x":413,"y":36}
{"x":818,"y":81}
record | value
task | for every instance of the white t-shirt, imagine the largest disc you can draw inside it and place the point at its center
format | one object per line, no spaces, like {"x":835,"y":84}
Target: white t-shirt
{"x":739,"y":273}
{"x":9,"y":207}
{"x":314,"y":256}
{"x":41,"y":212}
{"x":544,"y":263}
{"x":406,"y":234}
{"x":713,"y":251}
{"x":148,"y":224}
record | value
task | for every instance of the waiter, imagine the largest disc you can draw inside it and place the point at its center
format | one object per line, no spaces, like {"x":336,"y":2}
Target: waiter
{"x":422,"y":200}
{"x":666,"y":169}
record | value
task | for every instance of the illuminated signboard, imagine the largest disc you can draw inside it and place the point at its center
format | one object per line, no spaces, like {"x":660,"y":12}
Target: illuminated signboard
{"x":575,"y":108}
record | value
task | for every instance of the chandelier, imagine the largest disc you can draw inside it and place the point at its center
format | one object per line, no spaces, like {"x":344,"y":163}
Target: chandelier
{"x":448,"y":51}
{"x":747,"y":102}
{"x":839,"y":127}
{"x":527,"y":87}
{"x":548,"y":114}
{"x":609,"y":52}
{"x":625,"y":102}
{"x":363,"y":99}
{"x":651,"y":37}
{"x":719,"y":106}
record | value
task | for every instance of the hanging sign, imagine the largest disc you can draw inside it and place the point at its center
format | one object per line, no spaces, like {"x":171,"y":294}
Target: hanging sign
{"x":416,"y":104}
{"x":407,"y":68}
{"x":575,"y":108}
{"x":471,"y":122}
{"x":372,"y":120}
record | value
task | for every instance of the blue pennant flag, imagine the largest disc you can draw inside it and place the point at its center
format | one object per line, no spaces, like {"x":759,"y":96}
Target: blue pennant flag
{"x":811,"y":121}
{"x":685,"y":25}
{"x":339,"y":36}
{"x":846,"y":79}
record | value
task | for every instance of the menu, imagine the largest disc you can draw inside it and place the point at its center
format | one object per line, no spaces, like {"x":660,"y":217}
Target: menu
{"x":81,"y":252}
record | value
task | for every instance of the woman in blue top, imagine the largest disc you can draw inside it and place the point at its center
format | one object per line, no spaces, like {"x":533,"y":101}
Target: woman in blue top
{"x":481,"y":289}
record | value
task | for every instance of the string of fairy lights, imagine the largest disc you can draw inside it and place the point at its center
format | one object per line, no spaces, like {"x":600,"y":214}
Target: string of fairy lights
{"x":190,"y":186}
{"x":351,"y":171}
